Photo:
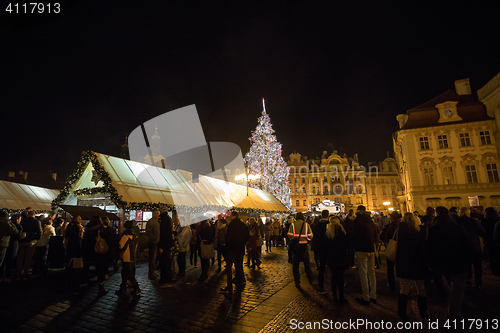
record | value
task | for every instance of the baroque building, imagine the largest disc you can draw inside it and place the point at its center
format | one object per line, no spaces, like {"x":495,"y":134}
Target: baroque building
{"x":343,"y":180}
{"x":446,"y":154}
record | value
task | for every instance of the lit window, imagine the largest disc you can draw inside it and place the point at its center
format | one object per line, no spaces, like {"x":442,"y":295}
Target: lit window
{"x":443,"y":141}
{"x":448,"y":175}
{"x":485,"y":137}
{"x":297,"y":203}
{"x":470,"y":171}
{"x":424,"y":143}
{"x":325,"y":189}
{"x":428,"y":176}
{"x":464,"y":140}
{"x":492,"y":173}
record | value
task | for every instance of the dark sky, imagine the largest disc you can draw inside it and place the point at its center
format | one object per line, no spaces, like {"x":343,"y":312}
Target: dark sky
{"x":333,"y":76}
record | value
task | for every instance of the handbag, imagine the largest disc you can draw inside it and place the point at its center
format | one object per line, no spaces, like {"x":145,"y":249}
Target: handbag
{"x":75,"y":263}
{"x":294,"y":242}
{"x":207,"y":250}
{"x":100,"y":244}
{"x":259,"y":242}
{"x":392,"y":248}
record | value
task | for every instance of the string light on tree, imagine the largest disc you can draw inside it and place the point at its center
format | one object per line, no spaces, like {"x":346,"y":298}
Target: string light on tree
{"x":264,"y":158}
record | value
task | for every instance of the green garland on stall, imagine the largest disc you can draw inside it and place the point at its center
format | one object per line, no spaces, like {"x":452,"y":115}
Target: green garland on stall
{"x":89,"y":157}
{"x":117,"y":199}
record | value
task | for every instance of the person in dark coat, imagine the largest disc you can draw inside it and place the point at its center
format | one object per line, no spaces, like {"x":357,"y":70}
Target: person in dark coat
{"x":165,"y":247}
{"x":7,"y":229}
{"x":348,"y":227}
{"x":364,"y":235}
{"x":253,"y":249}
{"x":9,"y":261}
{"x":337,"y":256}
{"x":427,"y":220}
{"x":93,"y":229}
{"x":411,"y":264}
{"x":321,"y":245}
{"x":385,"y":235}
{"x":475,"y":230}
{"x":450,"y":251}
{"x":27,"y":245}
{"x":207,"y":237}
{"x":72,"y":241}
{"x":236,"y":237}
{"x":490,"y":219}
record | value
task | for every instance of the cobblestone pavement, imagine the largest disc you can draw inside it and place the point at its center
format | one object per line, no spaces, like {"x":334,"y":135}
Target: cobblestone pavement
{"x":268,"y":304}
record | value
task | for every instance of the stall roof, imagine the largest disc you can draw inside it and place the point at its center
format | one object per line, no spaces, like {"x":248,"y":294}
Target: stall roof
{"x":86,"y":213}
{"x":19,"y":196}
{"x":138,"y":183}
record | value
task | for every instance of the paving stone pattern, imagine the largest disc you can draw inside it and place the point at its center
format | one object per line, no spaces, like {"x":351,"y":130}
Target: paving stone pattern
{"x":268,"y":303}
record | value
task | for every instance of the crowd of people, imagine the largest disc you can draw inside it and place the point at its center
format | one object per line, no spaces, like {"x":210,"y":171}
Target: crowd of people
{"x":443,"y":248}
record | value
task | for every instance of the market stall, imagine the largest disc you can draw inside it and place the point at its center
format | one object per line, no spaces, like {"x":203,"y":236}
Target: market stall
{"x":131,"y":189}
{"x":16,"y":197}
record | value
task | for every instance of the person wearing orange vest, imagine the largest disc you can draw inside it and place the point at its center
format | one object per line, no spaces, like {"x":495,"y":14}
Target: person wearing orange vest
{"x":302,"y":232}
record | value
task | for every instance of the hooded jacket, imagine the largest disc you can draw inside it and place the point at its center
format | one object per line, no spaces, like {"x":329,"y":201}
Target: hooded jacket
{"x":184,"y":238}
{"x":128,"y":246}
{"x":364,"y":232}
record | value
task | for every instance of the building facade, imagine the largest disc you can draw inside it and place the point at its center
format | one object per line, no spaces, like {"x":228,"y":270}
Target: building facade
{"x":489,"y":95}
{"x":343,"y":180}
{"x":446,"y":154}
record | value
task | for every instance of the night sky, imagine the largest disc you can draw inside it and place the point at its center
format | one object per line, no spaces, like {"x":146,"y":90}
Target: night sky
{"x":334,"y":77}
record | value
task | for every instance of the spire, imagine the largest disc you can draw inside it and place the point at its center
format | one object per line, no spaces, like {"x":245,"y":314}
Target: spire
{"x":155,"y":135}
{"x":263,"y":106}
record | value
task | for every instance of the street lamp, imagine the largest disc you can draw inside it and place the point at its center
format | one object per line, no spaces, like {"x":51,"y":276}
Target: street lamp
{"x":247,"y":178}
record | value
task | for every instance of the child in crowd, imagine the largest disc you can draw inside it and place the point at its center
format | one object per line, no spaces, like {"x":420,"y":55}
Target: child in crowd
{"x":128,"y":249}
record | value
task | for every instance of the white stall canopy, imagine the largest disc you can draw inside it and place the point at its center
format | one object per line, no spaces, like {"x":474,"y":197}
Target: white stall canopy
{"x":136,"y":183}
{"x":17,"y":196}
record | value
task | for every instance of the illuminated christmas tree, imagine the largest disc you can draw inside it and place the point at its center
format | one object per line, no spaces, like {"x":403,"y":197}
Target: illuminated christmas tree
{"x":264,"y":158}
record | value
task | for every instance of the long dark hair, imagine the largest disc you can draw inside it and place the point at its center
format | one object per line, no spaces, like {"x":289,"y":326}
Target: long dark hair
{"x":95,"y":221}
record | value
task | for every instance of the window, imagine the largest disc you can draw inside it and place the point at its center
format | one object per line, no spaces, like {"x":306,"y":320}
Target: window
{"x":297,"y":203}
{"x":464,"y":140}
{"x":303,"y":180}
{"x":359,"y":189}
{"x":485,"y":137}
{"x":443,"y":141}
{"x":428,"y":176}
{"x":492,"y":173}
{"x":304,"y":203}
{"x":373,"y":190}
{"x":384,"y":192}
{"x":338,"y":189}
{"x":296,"y":180}
{"x":424,"y":143}
{"x":303,"y":190}
{"x":325,"y":189}
{"x":470,"y":172}
{"x":297,"y":191}
{"x":448,"y":175}
{"x":325,"y":180}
